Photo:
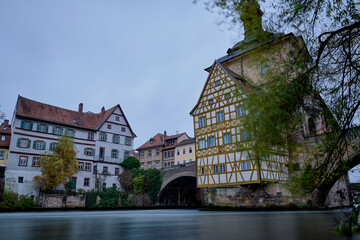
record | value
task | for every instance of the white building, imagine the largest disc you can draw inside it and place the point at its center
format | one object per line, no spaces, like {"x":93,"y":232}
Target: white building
{"x":102,"y":141}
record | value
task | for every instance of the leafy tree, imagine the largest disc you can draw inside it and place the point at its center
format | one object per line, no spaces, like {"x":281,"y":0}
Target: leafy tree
{"x":331,"y":79}
{"x":130,"y":163}
{"x":59,"y":167}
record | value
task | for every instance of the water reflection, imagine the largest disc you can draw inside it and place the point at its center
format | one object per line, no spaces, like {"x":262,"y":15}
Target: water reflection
{"x":169,"y":224}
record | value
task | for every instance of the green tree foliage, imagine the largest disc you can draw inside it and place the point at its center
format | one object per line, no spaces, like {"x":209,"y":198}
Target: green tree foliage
{"x":10,"y":200}
{"x":59,"y":167}
{"x":130,"y":163}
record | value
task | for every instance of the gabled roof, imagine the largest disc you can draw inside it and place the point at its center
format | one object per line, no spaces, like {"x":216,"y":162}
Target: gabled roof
{"x":240,"y":81}
{"x":175,"y":136}
{"x":186,"y":142}
{"x":158,"y":140}
{"x":36,"y":110}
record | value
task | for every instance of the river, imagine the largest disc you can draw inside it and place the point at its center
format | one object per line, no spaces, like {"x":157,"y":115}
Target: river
{"x":170,"y":225}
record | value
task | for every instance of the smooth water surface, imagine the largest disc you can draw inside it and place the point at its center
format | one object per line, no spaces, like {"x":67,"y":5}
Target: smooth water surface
{"x":170,"y":225}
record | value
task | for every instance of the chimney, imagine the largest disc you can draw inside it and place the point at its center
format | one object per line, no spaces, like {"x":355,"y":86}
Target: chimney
{"x":164,"y":133}
{"x":6,"y":122}
{"x":103,"y":110}
{"x":81,"y":105}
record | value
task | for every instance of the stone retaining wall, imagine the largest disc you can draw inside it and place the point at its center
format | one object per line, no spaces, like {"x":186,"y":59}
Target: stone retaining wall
{"x":61,"y":200}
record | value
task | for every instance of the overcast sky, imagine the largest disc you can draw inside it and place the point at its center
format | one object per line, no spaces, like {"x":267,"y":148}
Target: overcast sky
{"x":147,"y":56}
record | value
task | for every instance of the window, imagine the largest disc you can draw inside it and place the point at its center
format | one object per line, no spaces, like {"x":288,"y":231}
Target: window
{"x":89,"y":151}
{"x":149,"y":165}
{"x":88,"y":167}
{"x":35,"y":161}
{"x":211,"y":101}
{"x":157,"y":152}
{"x":20,"y":179}
{"x":86,"y":182}
{"x":211,"y":142}
{"x":126,"y":154}
{"x":165,"y":154}
{"x":227,"y":138}
{"x":42,"y":128}
{"x":178,"y":152}
{"x":142,"y":165}
{"x":105,"y":170}
{"x":178,"y":162}
{"x":117,"y":118}
{"x":53,"y":146}
{"x":70,"y":133}
{"x":240,"y":111}
{"x":128,"y":141}
{"x":117,"y":171}
{"x":184,"y":161}
{"x":114,"y":153}
{"x":81,"y":166}
{"x":109,"y":126}
{"x":90,"y":136}
{"x":23,"y":161}
{"x":222,"y":168}
{"x":116,"y":138}
{"x":217,"y":83}
{"x":26,"y":125}
{"x":149,"y":153}
{"x":265,"y":67}
{"x":172,"y":153}
{"x":157,"y":165}
{"x":102,"y":136}
{"x":142,"y":154}
{"x":2,"y":155}
{"x":23,"y":143}
{"x":215,"y":169}
{"x":123,"y":129}
{"x":3,"y":138}
{"x":190,"y":160}
{"x":190,"y":149}
{"x":184,"y":151}
{"x":245,"y":165}
{"x":172,"y":142}
{"x":39,"y":145}
{"x":244,"y":135}
{"x":201,"y":143}
{"x":202,"y":122}
{"x":220,"y":116}
{"x":227,"y":95}
{"x":57,"y":130}
{"x":202,"y":171}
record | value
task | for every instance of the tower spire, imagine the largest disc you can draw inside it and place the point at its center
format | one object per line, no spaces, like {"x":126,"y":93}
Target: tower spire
{"x":251,"y":17}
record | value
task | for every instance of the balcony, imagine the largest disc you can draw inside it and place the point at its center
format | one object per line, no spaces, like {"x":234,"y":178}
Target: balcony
{"x":108,"y":159}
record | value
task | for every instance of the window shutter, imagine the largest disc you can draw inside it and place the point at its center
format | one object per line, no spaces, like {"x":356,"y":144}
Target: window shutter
{"x":51,"y":147}
{"x":93,"y":152}
{"x":73,"y":133}
{"x":53,"y":130}
{"x":44,"y":146}
{"x":29,"y":142}
{"x":47,"y":128}
{"x":31,"y":126}
{"x":22,"y":124}
{"x":113,"y":138}
{"x":34,"y":144}
{"x":105,"y":137}
{"x":61,"y":131}
{"x":18,"y":142}
{"x":85,"y":151}
{"x":65,"y":131}
{"x":38,"y":127}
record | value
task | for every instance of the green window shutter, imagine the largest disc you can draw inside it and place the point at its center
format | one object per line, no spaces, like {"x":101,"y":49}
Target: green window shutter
{"x":105,"y":137}
{"x":47,"y":128}
{"x":31,"y":126}
{"x":51,"y":146}
{"x":34,"y":144}
{"x":65,"y":132}
{"x":113,"y":138}
{"x":53,"y":131}
{"x":93,"y":152}
{"x":29,"y":143}
{"x":38,"y":127}
{"x":22,"y":124}
{"x":18,"y":142}
{"x":73,"y":133}
{"x":44,"y":146}
{"x":61,"y":131}
{"x":84,"y":151}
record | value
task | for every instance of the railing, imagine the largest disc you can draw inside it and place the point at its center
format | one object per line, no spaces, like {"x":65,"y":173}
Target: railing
{"x":108,"y":159}
{"x":179,"y":166}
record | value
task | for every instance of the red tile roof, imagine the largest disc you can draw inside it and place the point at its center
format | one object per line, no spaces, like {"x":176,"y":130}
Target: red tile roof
{"x":32,"y":109}
{"x":158,"y":141}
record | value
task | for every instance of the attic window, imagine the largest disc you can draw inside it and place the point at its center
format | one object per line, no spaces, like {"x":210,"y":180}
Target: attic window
{"x":117,"y":118}
{"x":152,"y":141}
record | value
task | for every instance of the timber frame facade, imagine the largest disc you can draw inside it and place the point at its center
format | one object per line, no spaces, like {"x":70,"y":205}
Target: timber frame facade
{"x":223,"y":147}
